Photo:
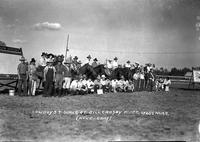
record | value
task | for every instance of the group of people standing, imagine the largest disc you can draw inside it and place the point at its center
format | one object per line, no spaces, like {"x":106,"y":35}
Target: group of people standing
{"x":58,"y":78}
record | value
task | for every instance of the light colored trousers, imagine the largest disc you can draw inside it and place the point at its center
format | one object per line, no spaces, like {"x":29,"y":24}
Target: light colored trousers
{"x":67,"y":82}
{"x":32,"y":85}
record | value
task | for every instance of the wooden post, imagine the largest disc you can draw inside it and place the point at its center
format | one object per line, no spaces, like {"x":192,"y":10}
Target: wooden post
{"x":67,"y":48}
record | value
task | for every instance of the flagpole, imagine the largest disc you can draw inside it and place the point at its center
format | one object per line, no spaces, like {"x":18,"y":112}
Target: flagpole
{"x":67,"y":48}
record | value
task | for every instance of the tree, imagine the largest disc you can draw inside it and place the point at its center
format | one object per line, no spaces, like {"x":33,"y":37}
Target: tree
{"x":2,"y":43}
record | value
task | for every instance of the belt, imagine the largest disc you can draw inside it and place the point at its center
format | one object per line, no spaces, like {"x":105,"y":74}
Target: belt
{"x":22,"y":74}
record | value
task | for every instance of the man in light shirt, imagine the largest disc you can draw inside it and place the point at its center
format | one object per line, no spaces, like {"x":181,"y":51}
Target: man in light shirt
{"x":88,"y":61}
{"x":115,"y":63}
{"x":128,"y":65}
{"x":43,"y":60}
{"x":167,"y":83}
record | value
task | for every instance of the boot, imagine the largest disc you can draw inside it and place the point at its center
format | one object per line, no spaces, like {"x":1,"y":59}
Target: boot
{"x":64,"y":92}
{"x":56,"y":92}
{"x":59,"y":92}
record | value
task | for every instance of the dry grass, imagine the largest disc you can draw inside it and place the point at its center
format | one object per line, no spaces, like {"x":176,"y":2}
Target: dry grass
{"x":19,"y":122}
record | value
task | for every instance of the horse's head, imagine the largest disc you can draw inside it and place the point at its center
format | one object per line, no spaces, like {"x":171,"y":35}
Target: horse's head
{"x":88,"y":71}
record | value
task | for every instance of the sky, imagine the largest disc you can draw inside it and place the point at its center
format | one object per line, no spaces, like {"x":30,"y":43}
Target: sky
{"x":163,"y":32}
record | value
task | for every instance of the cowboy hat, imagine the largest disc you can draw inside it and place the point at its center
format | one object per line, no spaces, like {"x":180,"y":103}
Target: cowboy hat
{"x":32,"y":60}
{"x":103,"y":76}
{"x":75,"y":57}
{"x":115,"y":58}
{"x":128,"y":61}
{"x":95,"y":59}
{"x":89,"y":56}
{"x":43,"y":54}
{"x":22,"y":58}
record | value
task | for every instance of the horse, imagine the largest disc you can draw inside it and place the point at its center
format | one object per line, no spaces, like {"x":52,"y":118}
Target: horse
{"x":88,"y":71}
{"x":126,"y":72}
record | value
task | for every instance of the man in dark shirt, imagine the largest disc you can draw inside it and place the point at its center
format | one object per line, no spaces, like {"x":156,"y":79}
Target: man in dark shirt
{"x":60,"y":68}
{"x":22,"y":70}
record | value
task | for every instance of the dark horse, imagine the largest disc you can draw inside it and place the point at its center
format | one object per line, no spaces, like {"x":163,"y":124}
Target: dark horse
{"x":126,"y":72}
{"x":91,"y":72}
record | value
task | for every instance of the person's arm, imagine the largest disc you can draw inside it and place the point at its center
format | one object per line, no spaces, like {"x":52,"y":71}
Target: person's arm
{"x":54,"y":74}
{"x":45,"y":72}
{"x":18,"y":71}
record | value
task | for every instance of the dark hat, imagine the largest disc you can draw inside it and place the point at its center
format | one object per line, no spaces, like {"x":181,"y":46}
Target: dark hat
{"x":22,"y":58}
{"x":128,"y":61}
{"x":136,"y":63}
{"x":115,"y":58}
{"x":50,"y":55}
{"x":75,"y":57}
{"x":32,"y":60}
{"x":60,"y":59}
{"x":89,"y":56}
{"x":95,"y":59}
{"x":43,"y":54}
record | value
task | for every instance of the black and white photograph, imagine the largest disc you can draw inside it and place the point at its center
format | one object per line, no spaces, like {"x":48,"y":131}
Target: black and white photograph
{"x":99,"y":70}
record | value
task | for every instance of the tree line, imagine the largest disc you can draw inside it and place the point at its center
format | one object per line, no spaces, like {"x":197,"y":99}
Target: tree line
{"x":173,"y":72}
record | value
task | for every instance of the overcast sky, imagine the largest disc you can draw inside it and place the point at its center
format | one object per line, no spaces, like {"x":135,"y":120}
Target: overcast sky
{"x":157,"y":31}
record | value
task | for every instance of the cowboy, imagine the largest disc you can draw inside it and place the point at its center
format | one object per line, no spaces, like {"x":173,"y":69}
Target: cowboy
{"x":141,"y":79}
{"x":82,"y":87}
{"x":95,"y":64}
{"x":90,"y":86}
{"x":137,"y":66}
{"x":60,"y":69}
{"x":136,"y":78}
{"x":128,"y":65}
{"x":22,"y":71}
{"x":88,"y":61}
{"x":114,"y":83}
{"x":121,"y":84}
{"x":151,"y":79}
{"x":103,"y":82}
{"x":74,"y":86}
{"x":129,"y":86}
{"x":42,"y":61}
{"x":49,"y":78}
{"x":75,"y":60}
{"x":166,"y":84}
{"x":97,"y":84}
{"x":115,"y":63}
{"x":67,"y":77}
{"x":32,"y":77}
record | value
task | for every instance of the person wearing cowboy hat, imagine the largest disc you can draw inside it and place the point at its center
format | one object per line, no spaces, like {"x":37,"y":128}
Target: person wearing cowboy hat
{"x":22,"y":71}
{"x":60,"y":69}
{"x":121,"y":84}
{"x":43,"y":60}
{"x":75,"y":60}
{"x":151,"y":77}
{"x":95,"y":64}
{"x":67,"y":78}
{"x":115,"y":63}
{"x":128,"y":65}
{"x":49,"y":78}
{"x":32,"y":77}
{"x":88,"y":61}
{"x":109,"y":64}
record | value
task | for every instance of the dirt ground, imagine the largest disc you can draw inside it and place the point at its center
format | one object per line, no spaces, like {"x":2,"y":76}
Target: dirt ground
{"x":135,"y":116}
